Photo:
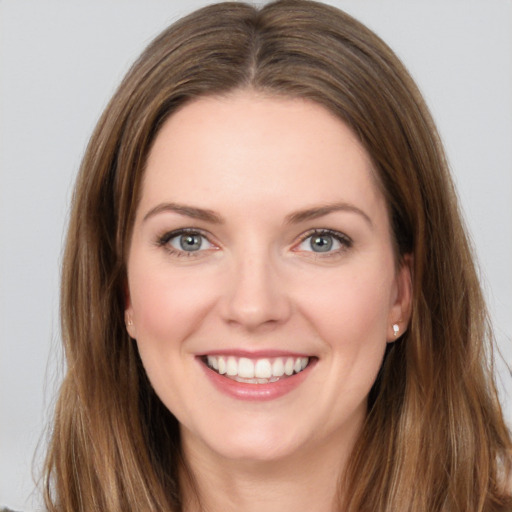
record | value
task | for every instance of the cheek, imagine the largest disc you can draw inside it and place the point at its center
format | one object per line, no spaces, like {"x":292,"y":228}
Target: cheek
{"x":167,"y":305}
{"x":350,"y":313}
{"x":350,"y":309}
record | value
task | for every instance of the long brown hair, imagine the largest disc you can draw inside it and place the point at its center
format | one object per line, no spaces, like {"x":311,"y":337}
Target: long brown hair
{"x":434,"y":439}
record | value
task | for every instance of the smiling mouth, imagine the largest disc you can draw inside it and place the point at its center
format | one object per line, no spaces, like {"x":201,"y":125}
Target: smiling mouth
{"x":256,"y":371}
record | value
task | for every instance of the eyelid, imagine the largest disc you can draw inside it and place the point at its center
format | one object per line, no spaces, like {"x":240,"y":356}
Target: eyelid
{"x":345,"y":241}
{"x":164,"y":239}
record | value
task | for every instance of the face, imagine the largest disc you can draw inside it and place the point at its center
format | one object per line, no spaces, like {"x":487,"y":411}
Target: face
{"x":262,"y":282}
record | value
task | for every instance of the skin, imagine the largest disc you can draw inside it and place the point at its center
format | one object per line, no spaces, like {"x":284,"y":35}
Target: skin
{"x":257,"y":284}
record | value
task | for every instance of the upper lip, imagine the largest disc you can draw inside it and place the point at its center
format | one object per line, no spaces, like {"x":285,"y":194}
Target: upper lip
{"x":254,"y":354}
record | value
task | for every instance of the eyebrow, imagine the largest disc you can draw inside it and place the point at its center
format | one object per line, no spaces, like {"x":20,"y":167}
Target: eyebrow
{"x":293,"y":218}
{"x":188,"y":211}
{"x":322,"y":210}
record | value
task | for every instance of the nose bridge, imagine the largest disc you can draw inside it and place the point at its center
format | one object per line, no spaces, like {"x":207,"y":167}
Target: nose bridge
{"x":256,"y":294}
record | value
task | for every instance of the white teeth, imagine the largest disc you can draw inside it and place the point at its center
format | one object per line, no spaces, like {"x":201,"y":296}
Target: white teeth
{"x":288,"y":366}
{"x":278,"y":367}
{"x":222,"y":365}
{"x":213,"y":362}
{"x":231,"y":366}
{"x":257,"y":371}
{"x":263,"y":369}
{"x":245,"y":368}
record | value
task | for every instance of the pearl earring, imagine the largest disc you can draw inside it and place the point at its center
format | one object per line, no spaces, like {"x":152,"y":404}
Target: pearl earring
{"x":396,"y":329}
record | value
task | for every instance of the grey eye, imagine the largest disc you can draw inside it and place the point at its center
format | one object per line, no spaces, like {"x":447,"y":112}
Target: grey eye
{"x":190,"y":242}
{"x":187,"y":242}
{"x":324,"y":241}
{"x":321,"y":243}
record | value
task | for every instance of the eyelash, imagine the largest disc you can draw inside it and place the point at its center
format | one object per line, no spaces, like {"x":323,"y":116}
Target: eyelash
{"x":345,"y":242}
{"x":163,"y":241}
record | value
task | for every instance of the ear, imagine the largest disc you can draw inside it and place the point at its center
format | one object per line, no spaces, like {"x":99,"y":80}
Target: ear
{"x":400,"y":312}
{"x":128,"y":313}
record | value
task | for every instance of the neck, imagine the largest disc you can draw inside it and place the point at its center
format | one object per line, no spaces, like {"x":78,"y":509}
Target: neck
{"x":305,"y":481}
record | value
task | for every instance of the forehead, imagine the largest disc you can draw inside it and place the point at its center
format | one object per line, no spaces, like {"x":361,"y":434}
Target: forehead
{"x":254,"y":149}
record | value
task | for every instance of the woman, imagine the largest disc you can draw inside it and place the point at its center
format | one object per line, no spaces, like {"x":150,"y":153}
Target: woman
{"x":268,"y":298}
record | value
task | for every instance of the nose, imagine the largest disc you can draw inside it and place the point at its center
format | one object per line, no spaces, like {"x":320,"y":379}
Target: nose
{"x":255,"y":295}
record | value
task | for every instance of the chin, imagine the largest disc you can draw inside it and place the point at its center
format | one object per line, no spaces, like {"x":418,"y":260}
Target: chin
{"x":261,"y":443}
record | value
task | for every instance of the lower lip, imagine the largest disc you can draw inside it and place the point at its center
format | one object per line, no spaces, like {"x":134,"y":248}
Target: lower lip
{"x":256,"y":392}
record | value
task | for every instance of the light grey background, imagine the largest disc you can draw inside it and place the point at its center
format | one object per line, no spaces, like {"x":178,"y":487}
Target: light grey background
{"x":59,"y":64}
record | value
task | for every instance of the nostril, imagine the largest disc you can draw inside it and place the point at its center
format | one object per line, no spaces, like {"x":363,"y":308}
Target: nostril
{"x":257,"y":310}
